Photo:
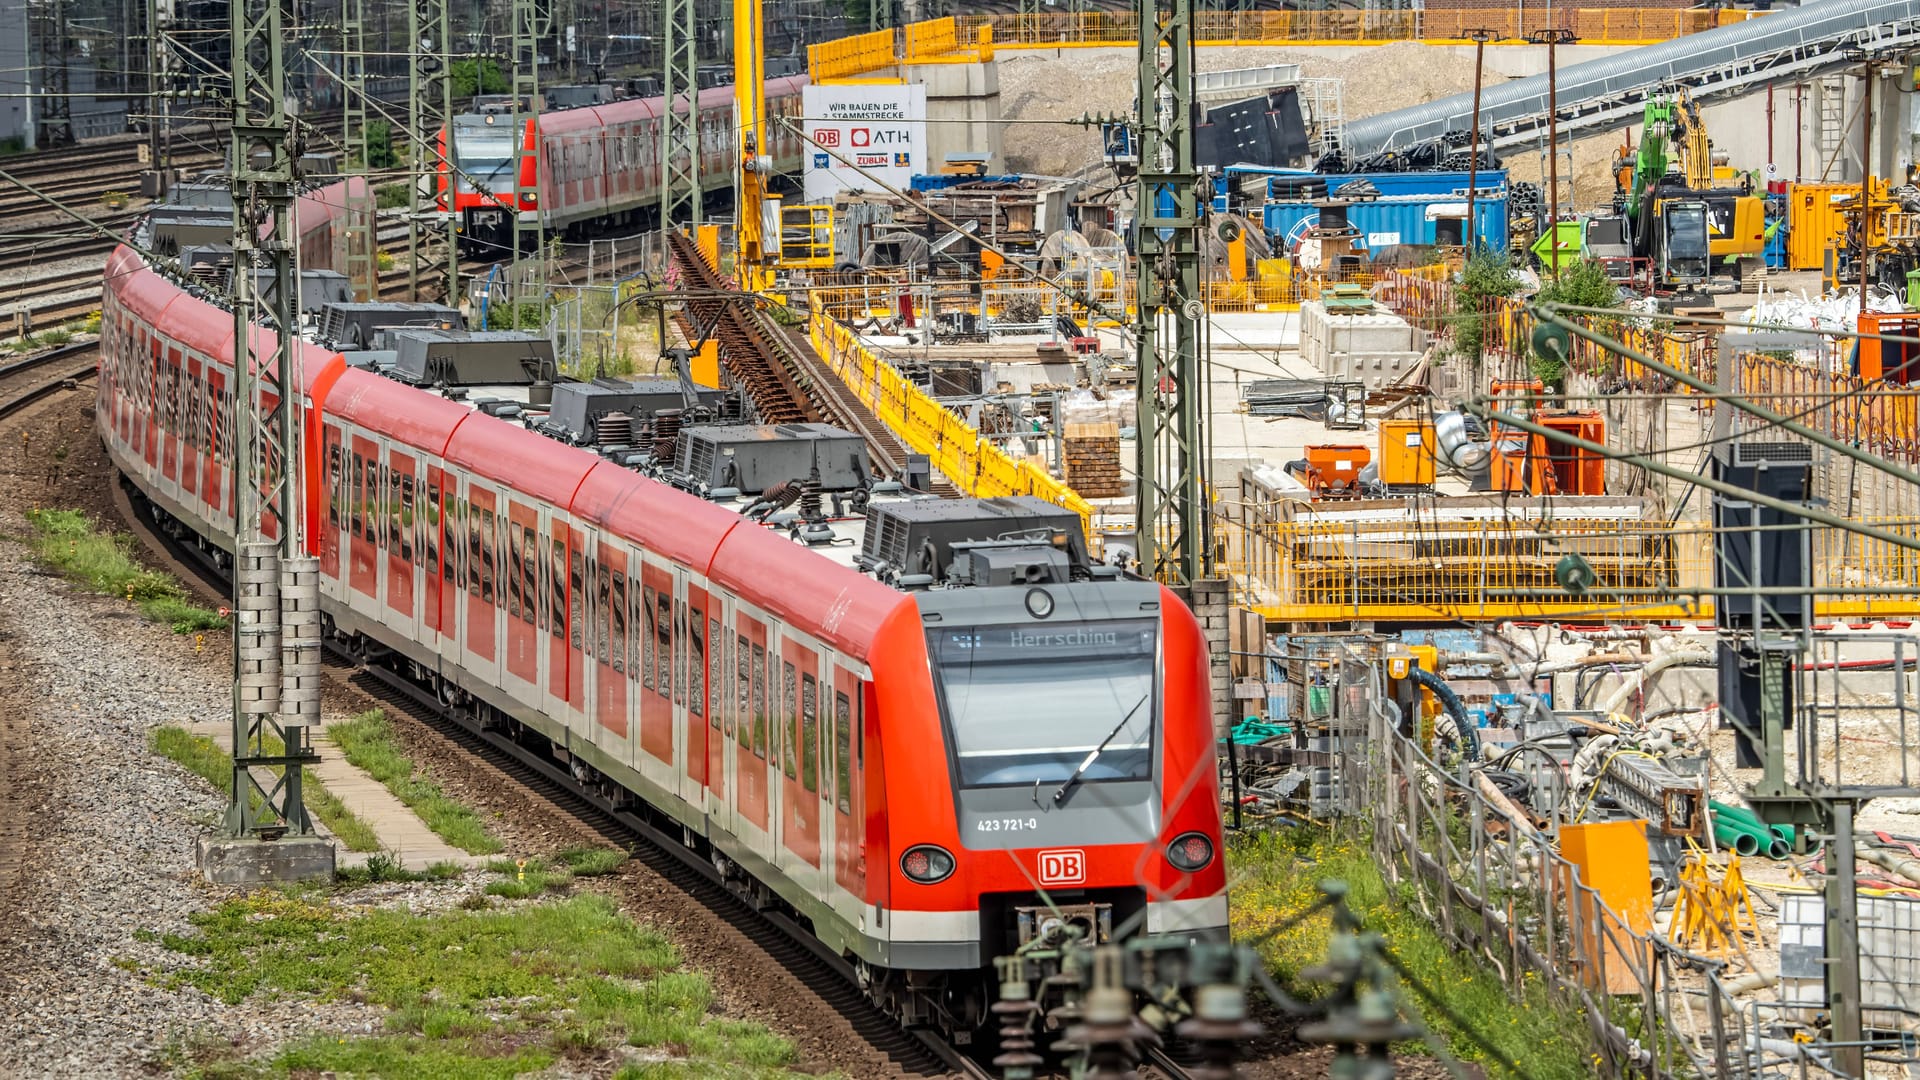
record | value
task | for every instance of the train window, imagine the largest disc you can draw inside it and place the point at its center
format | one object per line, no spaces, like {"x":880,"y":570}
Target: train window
{"x":697,"y":662}
{"x":371,"y":485}
{"x":470,"y":525}
{"x":435,"y":521}
{"x":789,"y":715}
{"x":487,"y":540}
{"x":663,"y":642}
{"x":530,"y":575}
{"x":617,"y":612}
{"x":759,"y":700}
{"x":356,"y":507}
{"x":743,"y":708}
{"x":843,"y":752}
{"x":648,"y":629}
{"x":809,"y":733}
{"x":407,"y":517}
{"x":576,"y":583}
{"x":516,"y":559}
{"x":715,"y":685}
{"x":333,"y":484}
{"x":604,"y":578}
{"x":557,"y":579}
{"x":392,"y":517}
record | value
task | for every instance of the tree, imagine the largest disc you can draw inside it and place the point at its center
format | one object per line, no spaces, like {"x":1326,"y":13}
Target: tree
{"x":1581,"y":284}
{"x":472,"y":77}
{"x":1487,"y":275}
{"x":378,"y":148}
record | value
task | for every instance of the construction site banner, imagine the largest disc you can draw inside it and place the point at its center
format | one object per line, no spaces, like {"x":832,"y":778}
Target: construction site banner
{"x":862,"y":134}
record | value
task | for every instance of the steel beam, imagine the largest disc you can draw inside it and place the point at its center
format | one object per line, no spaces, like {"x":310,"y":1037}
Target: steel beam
{"x":680,"y":197}
{"x":532,"y":20}
{"x":268,"y":729}
{"x":429,"y":113}
{"x":1171,"y":325}
{"x":52,"y":107}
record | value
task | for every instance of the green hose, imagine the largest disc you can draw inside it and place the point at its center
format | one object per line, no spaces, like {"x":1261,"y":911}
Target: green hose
{"x":1742,"y":814}
{"x":1746,"y":837}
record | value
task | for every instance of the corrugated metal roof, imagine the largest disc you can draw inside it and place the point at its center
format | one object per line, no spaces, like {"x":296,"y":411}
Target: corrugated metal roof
{"x":1695,"y":61}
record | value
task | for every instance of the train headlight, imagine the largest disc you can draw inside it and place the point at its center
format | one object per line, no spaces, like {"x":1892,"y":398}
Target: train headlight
{"x":926,"y":864}
{"x":1039,"y":603}
{"x":1190,"y":851}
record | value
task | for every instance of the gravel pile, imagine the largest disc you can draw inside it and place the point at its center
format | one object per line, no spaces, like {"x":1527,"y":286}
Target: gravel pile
{"x":110,"y":839}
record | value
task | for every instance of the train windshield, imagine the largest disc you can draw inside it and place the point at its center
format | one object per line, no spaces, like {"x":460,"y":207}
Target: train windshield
{"x":1028,"y":704}
{"x":484,"y":153}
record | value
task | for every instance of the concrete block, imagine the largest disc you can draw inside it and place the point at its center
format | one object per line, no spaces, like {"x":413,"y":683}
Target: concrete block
{"x":250,"y":862}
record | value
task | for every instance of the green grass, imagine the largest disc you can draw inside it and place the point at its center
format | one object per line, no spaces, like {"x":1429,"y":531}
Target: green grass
{"x":103,"y":562}
{"x":489,"y":993}
{"x":367,"y":741}
{"x":1276,"y":877}
{"x":204,"y":758}
{"x":592,"y":861}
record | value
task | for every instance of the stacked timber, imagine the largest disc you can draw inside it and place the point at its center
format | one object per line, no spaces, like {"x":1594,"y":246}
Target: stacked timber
{"x":1092,"y":454}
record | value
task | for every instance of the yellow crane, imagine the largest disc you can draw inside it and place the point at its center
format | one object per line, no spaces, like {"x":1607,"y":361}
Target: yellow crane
{"x":753,"y":264}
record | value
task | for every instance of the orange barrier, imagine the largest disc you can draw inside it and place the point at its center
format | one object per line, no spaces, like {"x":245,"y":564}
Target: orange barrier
{"x":1879,"y":418}
{"x":851,"y":57}
{"x":1592,"y":25}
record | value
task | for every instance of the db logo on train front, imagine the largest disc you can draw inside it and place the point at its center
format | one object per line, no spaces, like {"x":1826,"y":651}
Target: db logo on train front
{"x":1063,"y":867}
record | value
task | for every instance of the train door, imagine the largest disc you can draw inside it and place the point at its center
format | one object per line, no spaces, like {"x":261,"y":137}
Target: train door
{"x":610,"y":635}
{"x":750,"y":785}
{"x":401,"y":470}
{"x":481,"y":634}
{"x":799,"y":759}
{"x":169,"y":421}
{"x":148,"y":441}
{"x":719,"y":706}
{"x":576,"y":617}
{"x":189,"y":426}
{"x":523,"y":599}
{"x":332,"y":457}
{"x":849,"y":814}
{"x":654,"y":758}
{"x":363,"y":572}
{"x":553,"y":616}
{"x":213,"y":483}
{"x":693,"y":626}
{"x":443,"y":593}
{"x":426,"y":549}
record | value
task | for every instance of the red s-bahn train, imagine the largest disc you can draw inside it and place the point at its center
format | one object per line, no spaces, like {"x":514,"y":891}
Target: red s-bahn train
{"x":597,"y":165}
{"x":918,"y":775}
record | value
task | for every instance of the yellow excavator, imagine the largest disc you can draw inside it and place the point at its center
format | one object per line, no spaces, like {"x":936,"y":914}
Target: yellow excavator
{"x":1656,"y":193}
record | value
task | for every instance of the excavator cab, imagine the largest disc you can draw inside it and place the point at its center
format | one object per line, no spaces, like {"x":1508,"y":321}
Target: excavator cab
{"x":1684,"y":256}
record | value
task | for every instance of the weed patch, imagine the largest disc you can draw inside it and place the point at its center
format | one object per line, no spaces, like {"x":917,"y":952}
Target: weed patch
{"x":1277,"y":877}
{"x":592,"y":861}
{"x":203,"y":757}
{"x":488,"y":993}
{"x":103,"y":562}
{"x":367,"y":741}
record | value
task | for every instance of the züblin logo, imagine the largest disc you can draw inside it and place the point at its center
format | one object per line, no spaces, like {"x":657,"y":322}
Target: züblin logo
{"x":1027,"y":639}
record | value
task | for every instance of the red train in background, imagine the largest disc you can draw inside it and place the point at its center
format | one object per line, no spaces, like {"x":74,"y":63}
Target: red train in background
{"x":597,"y":165}
{"x":926,"y":779}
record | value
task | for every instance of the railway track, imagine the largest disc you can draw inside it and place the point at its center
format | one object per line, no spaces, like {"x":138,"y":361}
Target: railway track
{"x":20,"y":388}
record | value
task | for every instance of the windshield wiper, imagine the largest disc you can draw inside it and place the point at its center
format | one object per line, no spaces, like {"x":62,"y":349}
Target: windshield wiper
{"x":1073,"y":781}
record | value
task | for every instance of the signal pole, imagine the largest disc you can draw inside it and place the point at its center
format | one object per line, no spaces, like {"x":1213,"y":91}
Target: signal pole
{"x":360,"y":260}
{"x":531,"y":21}
{"x":1170,"y":327}
{"x":680,"y":195}
{"x":276,"y":613}
{"x":52,"y":108}
{"x":429,"y":112}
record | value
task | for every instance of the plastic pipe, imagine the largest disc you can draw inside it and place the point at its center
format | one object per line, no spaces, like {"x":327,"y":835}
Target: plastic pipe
{"x":1784,"y":832}
{"x":1745,"y":840}
{"x":1658,"y":664}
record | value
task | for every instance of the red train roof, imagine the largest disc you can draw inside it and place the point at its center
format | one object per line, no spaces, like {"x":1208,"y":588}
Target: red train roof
{"x":514,"y":457}
{"x":421,"y":420}
{"x":841,"y":606}
{"x":668,"y":523}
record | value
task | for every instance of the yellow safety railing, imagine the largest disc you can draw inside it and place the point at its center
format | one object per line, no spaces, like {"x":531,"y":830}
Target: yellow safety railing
{"x":859,"y":56}
{"x":974,"y":464}
{"x":1595,"y":25}
{"x":1319,"y":570}
{"x":806,"y":236}
{"x":931,"y":38}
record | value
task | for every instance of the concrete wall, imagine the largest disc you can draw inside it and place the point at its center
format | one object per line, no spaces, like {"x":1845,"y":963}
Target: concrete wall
{"x":963,"y":111}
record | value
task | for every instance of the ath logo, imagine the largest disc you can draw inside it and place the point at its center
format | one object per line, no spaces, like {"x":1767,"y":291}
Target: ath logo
{"x":860,"y":137}
{"x":1063,"y":866}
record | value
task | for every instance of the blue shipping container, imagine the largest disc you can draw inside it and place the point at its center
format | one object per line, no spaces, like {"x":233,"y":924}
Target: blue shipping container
{"x":1389,"y":183}
{"x":1392,"y":222}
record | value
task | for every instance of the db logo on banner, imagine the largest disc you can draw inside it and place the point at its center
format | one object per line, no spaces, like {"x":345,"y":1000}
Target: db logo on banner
{"x":1063,"y":867}
{"x":827,"y":137}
